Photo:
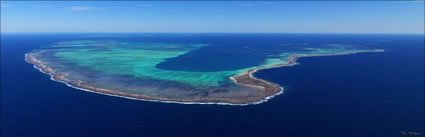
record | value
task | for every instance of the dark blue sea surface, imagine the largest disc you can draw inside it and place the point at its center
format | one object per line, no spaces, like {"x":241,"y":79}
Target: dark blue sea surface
{"x":366,"y":94}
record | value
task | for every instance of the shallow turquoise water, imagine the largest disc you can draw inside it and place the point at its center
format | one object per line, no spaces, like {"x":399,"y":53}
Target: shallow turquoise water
{"x":140,"y":59}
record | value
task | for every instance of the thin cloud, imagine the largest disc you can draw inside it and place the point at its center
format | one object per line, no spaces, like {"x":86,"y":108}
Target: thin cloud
{"x":45,"y":6}
{"x":3,"y":5}
{"x":248,"y":5}
{"x":144,"y":5}
{"x":269,"y":3}
{"x":82,"y":8}
{"x":419,"y":1}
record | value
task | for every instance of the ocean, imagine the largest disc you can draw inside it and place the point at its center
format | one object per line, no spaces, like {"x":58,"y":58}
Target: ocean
{"x":365,"y":94}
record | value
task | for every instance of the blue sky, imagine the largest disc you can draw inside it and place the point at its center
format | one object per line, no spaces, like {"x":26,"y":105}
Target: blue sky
{"x":214,"y":16}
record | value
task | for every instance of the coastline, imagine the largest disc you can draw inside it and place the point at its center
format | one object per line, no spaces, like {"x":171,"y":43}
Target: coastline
{"x":269,"y":89}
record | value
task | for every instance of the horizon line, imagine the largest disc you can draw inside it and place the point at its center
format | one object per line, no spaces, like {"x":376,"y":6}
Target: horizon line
{"x":220,"y":32}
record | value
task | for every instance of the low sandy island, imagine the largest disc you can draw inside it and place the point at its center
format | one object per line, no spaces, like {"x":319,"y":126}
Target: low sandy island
{"x":271,"y":89}
{"x":268,"y":89}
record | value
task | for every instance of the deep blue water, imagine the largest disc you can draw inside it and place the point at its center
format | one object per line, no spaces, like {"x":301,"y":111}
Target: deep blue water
{"x":368,"y":94}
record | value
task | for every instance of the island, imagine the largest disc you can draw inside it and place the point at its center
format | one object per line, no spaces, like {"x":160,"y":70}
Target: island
{"x":129,"y":70}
